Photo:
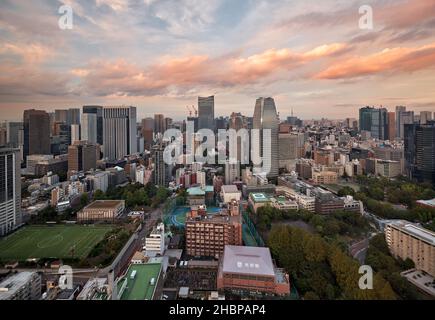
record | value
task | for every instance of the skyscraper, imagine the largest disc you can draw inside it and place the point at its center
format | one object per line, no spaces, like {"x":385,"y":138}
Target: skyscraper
{"x":374,"y":121}
{"x":159,"y":172}
{"x":148,"y":132}
{"x":265,"y":117}
{"x":159,"y":124}
{"x":75,"y":133}
{"x":119,"y":132}
{"x":391,"y":126}
{"x":15,"y":134}
{"x":82,"y":156}
{"x":98,"y":111}
{"x":425,"y":117}
{"x":206,"y":113}
{"x":420,"y":151}
{"x":89,"y":127}
{"x":232,"y":172}
{"x":237,"y":123}
{"x":36,"y":132}
{"x":67,"y":116}
{"x":403,"y":117}
{"x":10,"y":190}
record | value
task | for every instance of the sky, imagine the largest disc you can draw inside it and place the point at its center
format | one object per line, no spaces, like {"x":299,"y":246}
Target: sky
{"x":160,"y":55}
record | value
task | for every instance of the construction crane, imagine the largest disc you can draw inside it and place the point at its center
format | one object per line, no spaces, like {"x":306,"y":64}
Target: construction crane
{"x":190,"y":111}
{"x":196,"y":111}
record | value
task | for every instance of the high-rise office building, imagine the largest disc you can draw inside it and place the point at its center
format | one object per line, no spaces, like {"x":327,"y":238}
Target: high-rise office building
{"x":73,"y":116}
{"x":119,"y":132}
{"x":148,"y":132}
{"x":159,"y":172}
{"x":266,"y":118}
{"x":82,"y":156}
{"x":67,"y":116}
{"x":425,"y":117}
{"x":391,"y":126}
{"x":159,"y":124}
{"x":232,"y":172}
{"x":206,"y":113}
{"x":36,"y":132}
{"x":420,"y":151}
{"x":15,"y":134}
{"x":89,"y":127}
{"x":168,"y":123}
{"x":10,"y":190}
{"x":75,"y":133}
{"x":98,"y":112}
{"x":403,"y":117}
{"x":375,"y":121}
{"x":237,"y":122}
{"x":61,"y":115}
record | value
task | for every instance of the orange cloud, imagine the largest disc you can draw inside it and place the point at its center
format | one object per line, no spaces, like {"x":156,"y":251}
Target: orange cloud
{"x":123,"y":78}
{"x":388,"y":60}
{"x":30,"y":53}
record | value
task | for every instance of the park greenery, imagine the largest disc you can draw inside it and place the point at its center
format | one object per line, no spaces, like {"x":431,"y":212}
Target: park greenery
{"x":394,"y":199}
{"x":320,"y":269}
{"x":339,"y":223}
{"x":135,"y":195}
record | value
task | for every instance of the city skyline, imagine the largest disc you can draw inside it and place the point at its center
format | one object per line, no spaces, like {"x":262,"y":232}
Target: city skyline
{"x":162,"y":56}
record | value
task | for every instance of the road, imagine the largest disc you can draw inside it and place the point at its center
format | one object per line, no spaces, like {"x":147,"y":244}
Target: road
{"x":359,"y":250}
{"x":125,"y":255}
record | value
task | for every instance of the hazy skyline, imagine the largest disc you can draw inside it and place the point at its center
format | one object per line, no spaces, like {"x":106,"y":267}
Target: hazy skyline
{"x":159,"y":55}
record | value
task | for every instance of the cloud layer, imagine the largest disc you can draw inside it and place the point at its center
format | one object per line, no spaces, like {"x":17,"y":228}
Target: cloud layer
{"x":158,"y":54}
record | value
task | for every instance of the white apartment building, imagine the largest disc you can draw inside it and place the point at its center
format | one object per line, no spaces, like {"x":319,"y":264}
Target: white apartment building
{"x":155,"y":242}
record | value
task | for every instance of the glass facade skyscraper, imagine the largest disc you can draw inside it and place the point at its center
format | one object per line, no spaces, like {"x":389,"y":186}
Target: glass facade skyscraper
{"x":266,"y":117}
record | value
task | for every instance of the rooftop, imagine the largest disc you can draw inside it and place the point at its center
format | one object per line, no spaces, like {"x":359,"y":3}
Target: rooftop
{"x":248,"y":260}
{"x":259,"y":197}
{"x":195,"y":191}
{"x":430,"y":203}
{"x":139,"y":288}
{"x":230,"y":189}
{"x":104,"y":204}
{"x":413,"y":230}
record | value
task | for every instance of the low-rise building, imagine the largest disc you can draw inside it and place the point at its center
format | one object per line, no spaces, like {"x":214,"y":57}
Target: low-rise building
{"x":230,"y":193}
{"x":251,"y":270}
{"x":139,"y":282}
{"x":155,"y":242}
{"x":102,"y":211}
{"x":21,"y":286}
{"x":325,"y":177}
{"x":258,"y":200}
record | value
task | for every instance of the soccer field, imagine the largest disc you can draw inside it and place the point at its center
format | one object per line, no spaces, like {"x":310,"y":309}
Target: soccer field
{"x":51,"y":242}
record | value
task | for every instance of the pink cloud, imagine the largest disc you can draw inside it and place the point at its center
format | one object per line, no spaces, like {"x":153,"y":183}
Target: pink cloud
{"x":388,"y":60}
{"x":123,"y":78}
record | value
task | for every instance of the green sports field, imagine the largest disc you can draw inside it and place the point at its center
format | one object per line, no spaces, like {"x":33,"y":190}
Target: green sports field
{"x":57,"y":241}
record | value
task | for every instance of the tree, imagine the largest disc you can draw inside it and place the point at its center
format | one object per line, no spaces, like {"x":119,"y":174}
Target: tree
{"x":99,"y":195}
{"x":84,"y":200}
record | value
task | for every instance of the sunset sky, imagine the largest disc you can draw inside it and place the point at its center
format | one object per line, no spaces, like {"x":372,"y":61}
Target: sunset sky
{"x":159,"y":55}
